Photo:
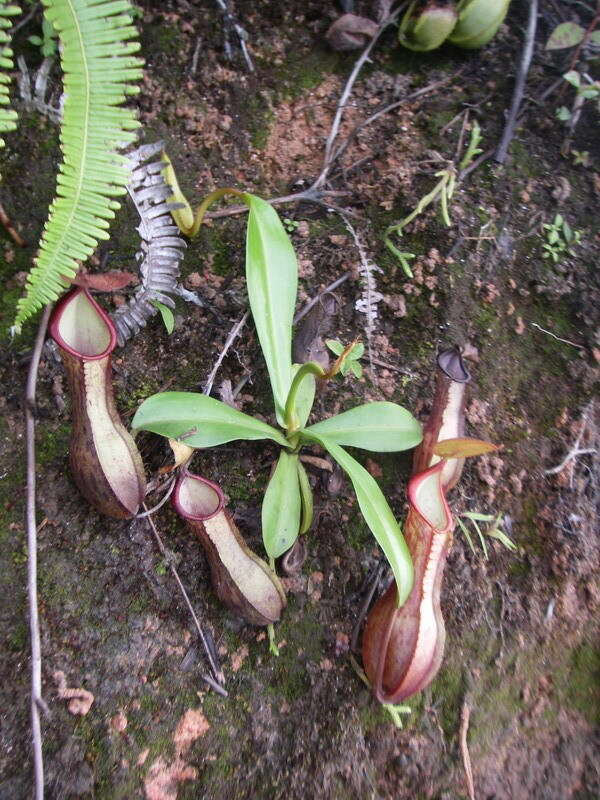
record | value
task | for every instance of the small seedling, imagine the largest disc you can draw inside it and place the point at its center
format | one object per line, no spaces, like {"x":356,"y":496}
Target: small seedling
{"x":560,"y":239}
{"x":291,"y":225}
{"x":586,"y":89}
{"x":47,"y":42}
{"x":352,"y":361}
{"x":166,"y":315}
{"x":494,"y":531}
{"x":581,"y":158}
{"x":442,"y":191}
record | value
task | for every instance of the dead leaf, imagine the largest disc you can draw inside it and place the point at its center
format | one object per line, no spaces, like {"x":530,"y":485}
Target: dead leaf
{"x":105,"y":281}
{"x":351,"y":32}
{"x":463,"y":448}
{"x":182,"y":452}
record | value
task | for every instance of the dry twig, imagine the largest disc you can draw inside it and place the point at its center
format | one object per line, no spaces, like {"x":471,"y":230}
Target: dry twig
{"x":217,"y":672}
{"x":465,"y":715}
{"x":335,"y":127}
{"x":311,"y":303}
{"x":233,"y":333}
{"x":34,"y":619}
{"x":10,"y":228}
{"x":575,"y":450}
{"x":519,"y":90}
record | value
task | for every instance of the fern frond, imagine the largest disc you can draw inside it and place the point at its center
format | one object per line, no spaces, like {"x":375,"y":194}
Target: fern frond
{"x":8,"y":117}
{"x":99,"y":71}
{"x":162,"y":247}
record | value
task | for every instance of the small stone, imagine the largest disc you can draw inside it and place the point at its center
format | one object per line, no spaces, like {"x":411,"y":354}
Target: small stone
{"x":119,"y":722}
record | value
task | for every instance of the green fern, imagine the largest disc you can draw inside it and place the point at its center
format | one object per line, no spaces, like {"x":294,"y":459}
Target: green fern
{"x":8,"y":117}
{"x":99,"y":72}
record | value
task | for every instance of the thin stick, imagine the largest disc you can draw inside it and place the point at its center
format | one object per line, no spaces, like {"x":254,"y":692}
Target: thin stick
{"x":231,"y":22}
{"x":362,"y":613}
{"x":213,"y":665}
{"x":24,"y":20}
{"x":34,"y":619}
{"x":233,"y":333}
{"x":386,"y":110}
{"x":311,"y":303}
{"x":575,"y":449}
{"x":335,"y":127}
{"x":465,"y":715}
{"x":519,"y":90}
{"x":196,"y":56}
{"x":161,"y":502}
{"x":10,"y":228}
{"x":558,"y":338}
{"x":308,"y":196}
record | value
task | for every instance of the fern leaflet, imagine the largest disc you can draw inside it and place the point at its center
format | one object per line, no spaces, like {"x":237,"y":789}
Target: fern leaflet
{"x":99,"y":71}
{"x":8,"y":117}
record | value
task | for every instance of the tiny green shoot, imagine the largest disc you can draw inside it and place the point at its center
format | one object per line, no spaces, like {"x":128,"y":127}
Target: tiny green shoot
{"x":166,"y":315}
{"x":442,"y":192}
{"x":352,"y":361}
{"x":493,"y":530}
{"x":560,"y":239}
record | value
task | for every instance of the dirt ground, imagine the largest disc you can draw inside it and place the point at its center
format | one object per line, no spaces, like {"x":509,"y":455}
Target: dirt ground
{"x":522,"y":648}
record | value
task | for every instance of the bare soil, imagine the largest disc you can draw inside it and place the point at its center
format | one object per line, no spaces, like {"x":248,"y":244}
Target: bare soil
{"x":522,"y":648}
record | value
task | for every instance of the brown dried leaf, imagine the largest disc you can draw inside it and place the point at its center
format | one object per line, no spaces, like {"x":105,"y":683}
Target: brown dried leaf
{"x":106,"y":281}
{"x":463,"y":448}
{"x":351,"y":32}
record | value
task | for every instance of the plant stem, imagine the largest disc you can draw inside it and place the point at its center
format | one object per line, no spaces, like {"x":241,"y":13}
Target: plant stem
{"x":310,"y":368}
{"x":34,"y":620}
{"x":207,"y":202}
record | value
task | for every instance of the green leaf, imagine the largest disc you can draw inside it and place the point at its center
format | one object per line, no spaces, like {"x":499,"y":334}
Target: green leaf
{"x":563,"y":114}
{"x":497,"y":533}
{"x":357,"y":351}
{"x":465,"y":530}
{"x":166,"y":314}
{"x":336,"y":347}
{"x":305,"y":396}
{"x":356,"y":368}
{"x":378,"y":516}
{"x":35,"y":40}
{"x":573,"y":77}
{"x":272,"y":278}
{"x":199,"y":421}
{"x":595,"y":38}
{"x":281,"y":507}
{"x":306,"y":496}
{"x":382,"y":427}
{"x":567,"y":34}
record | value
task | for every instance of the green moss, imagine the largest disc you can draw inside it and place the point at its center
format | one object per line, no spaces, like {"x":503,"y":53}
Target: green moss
{"x":52,"y":445}
{"x":523,"y":162}
{"x":449,"y":688}
{"x":18,"y":638}
{"x":305,"y":71}
{"x":579,"y":682}
{"x":259,"y":117}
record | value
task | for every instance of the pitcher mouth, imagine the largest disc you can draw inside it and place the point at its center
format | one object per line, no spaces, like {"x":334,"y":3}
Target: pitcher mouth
{"x":196,"y":498}
{"x":81,"y":327}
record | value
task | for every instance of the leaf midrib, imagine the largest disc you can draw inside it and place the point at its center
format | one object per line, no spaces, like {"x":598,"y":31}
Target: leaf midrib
{"x":82,"y":160}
